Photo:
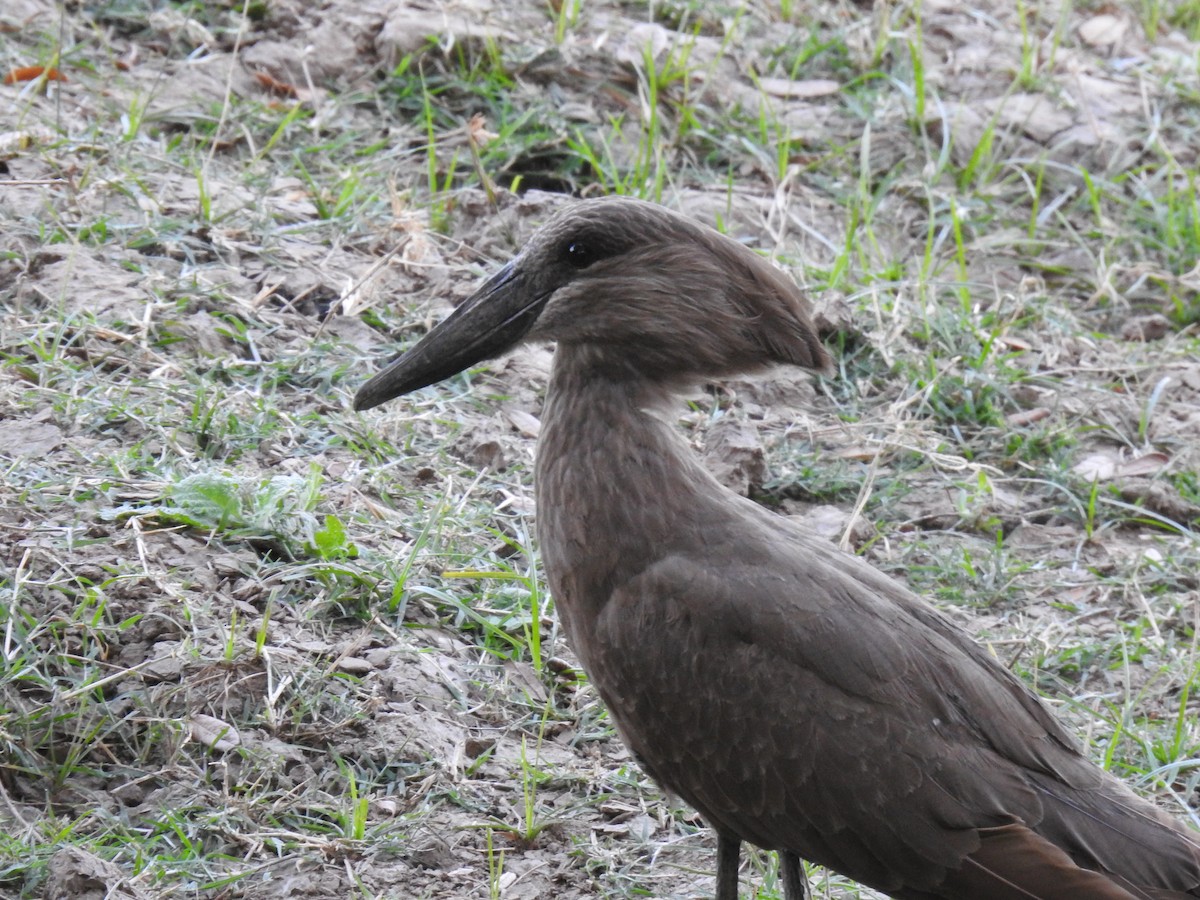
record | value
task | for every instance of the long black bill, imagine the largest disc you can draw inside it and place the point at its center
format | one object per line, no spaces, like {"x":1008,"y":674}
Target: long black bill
{"x":493,"y":319}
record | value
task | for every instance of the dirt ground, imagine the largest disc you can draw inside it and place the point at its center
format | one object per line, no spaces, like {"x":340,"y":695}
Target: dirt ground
{"x":256,"y":645}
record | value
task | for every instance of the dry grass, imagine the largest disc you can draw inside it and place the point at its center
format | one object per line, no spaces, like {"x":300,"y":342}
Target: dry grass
{"x":255,"y":645}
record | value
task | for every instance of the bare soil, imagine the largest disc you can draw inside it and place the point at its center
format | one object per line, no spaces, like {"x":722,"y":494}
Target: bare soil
{"x":256,"y":645}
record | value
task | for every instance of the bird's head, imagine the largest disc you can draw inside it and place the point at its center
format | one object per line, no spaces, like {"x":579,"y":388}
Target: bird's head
{"x":646,"y":292}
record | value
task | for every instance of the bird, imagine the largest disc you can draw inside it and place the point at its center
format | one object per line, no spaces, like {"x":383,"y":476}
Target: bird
{"x":799,"y":699}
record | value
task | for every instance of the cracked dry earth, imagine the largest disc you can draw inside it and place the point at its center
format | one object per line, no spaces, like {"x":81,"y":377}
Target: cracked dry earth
{"x":259,"y":646}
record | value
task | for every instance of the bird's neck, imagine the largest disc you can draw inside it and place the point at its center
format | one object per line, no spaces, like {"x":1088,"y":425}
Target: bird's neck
{"x":617,"y":487}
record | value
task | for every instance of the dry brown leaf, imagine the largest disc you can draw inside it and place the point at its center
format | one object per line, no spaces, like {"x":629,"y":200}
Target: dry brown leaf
{"x":487,"y":455}
{"x":831,"y":522}
{"x":522,"y":675}
{"x":1034,"y":114}
{"x":526,"y":423}
{"x":827,"y":521}
{"x":212,"y":732}
{"x":1104,"y":31}
{"x":386,"y":806}
{"x":478,"y":132}
{"x":1015,"y":343}
{"x":642,"y":39}
{"x":29,"y":73}
{"x":129,"y":60}
{"x":1107,"y":97}
{"x":1153,"y":327}
{"x":1028,"y":416}
{"x":275,"y":86}
{"x":857,"y":452}
{"x":76,"y":874}
{"x":1107,"y":465}
{"x":1097,"y":466}
{"x":1078,"y":594}
{"x":417,"y":31}
{"x":1146,"y":464}
{"x":418,"y":252}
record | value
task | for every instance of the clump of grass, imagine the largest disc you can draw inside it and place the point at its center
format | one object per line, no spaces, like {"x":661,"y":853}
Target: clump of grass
{"x":275,"y":513}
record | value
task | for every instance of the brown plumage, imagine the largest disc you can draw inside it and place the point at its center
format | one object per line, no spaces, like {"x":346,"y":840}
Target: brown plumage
{"x":796,"y":697}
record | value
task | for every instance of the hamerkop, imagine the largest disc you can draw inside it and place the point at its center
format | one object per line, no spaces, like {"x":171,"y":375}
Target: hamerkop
{"x":796,"y":697}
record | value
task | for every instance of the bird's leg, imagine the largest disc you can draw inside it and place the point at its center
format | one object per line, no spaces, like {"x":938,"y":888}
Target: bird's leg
{"x":729,"y":852}
{"x":795,"y":885}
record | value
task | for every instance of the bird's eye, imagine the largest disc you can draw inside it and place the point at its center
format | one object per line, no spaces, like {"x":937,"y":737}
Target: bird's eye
{"x":579,"y":254}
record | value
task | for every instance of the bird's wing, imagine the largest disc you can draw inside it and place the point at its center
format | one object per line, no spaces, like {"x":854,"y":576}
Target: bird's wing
{"x":800,"y":699}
